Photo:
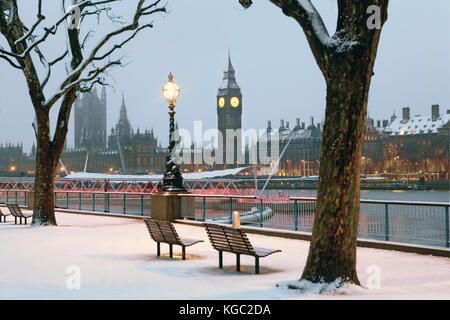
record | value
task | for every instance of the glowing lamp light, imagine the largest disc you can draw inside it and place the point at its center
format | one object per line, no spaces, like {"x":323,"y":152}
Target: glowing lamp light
{"x":171,"y":91}
{"x":172,"y":181}
{"x":13,"y":168}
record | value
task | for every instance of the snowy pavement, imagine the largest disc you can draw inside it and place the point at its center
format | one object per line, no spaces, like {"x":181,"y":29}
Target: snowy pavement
{"x":115,"y":258}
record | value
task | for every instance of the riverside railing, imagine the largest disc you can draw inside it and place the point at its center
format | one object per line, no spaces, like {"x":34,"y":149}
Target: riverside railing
{"x":16,"y":197}
{"x":424,"y":223}
{"x":132,"y":203}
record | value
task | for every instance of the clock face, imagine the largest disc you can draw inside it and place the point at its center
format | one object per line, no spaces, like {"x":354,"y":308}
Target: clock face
{"x":221,"y":102}
{"x":234,"y":101}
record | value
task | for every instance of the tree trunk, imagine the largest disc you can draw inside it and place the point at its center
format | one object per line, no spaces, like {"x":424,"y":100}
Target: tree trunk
{"x":346,"y":61}
{"x":44,"y":208}
{"x":332,"y":253}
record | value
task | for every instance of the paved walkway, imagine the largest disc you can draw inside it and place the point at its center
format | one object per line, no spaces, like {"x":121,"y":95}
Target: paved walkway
{"x":116,"y":259}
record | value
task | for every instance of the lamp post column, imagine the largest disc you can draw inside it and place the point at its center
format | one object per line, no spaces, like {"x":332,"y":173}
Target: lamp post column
{"x":166,"y":205}
{"x":172,"y":181}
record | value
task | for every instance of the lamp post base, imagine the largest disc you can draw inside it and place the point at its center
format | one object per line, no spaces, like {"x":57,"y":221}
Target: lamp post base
{"x":173,"y":184}
{"x":169,"y":206}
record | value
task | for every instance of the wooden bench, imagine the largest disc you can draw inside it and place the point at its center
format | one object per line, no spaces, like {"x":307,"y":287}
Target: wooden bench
{"x":234,"y":240}
{"x":17,"y":213}
{"x":164,"y":232}
{"x":4,"y":215}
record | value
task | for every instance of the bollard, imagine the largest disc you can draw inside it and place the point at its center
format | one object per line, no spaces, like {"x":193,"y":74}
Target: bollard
{"x":236,"y":219}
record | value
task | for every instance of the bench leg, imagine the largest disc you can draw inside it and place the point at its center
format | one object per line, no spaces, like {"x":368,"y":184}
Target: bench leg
{"x":158,"y":249}
{"x":15,"y":220}
{"x":238,"y":262}
{"x":25,"y":221}
{"x":257,"y":265}
{"x":183,"y":252}
{"x":170,"y":251}
{"x":20,"y":219}
{"x":220,"y":259}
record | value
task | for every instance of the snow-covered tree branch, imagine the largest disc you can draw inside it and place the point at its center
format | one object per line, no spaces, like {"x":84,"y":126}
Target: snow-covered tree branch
{"x":85,"y":67}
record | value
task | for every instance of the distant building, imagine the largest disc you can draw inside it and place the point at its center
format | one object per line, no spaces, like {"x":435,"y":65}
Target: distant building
{"x":301,"y":146}
{"x":229,"y":114}
{"x":417,"y":145}
{"x":11,"y":157}
{"x":90,"y":121}
{"x":125,"y":151}
{"x":136,"y":151}
{"x":372,"y":149}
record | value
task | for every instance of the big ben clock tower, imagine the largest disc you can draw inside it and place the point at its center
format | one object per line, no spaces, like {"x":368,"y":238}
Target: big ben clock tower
{"x":229,"y":115}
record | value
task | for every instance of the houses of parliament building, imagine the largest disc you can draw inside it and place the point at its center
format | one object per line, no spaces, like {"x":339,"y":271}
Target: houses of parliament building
{"x":400,"y":147}
{"x":122,"y":151}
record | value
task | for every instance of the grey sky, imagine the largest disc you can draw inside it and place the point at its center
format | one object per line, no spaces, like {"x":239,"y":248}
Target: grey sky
{"x":274,"y":66}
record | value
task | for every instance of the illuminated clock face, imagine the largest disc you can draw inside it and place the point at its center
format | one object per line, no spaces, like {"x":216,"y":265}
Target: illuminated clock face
{"x":234,"y":101}
{"x":221,"y":102}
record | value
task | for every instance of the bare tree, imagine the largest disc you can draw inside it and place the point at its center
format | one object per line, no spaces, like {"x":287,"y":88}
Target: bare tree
{"x":346,"y":60}
{"x":84,"y":70}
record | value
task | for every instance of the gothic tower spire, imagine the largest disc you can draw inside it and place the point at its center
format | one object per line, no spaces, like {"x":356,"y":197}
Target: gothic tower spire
{"x":229,"y":116}
{"x":229,"y":77}
{"x":123,"y":127}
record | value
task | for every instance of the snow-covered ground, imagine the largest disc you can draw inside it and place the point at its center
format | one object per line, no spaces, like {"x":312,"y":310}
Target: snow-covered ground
{"x":116,"y":259}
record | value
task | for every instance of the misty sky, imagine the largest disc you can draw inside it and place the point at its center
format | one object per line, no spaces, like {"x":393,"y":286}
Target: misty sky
{"x":274,"y":66}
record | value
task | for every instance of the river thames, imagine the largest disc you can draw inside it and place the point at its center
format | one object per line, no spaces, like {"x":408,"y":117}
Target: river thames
{"x":395,"y":195}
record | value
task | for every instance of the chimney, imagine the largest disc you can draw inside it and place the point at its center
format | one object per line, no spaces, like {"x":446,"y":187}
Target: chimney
{"x":303,"y":125}
{"x":393,"y":117}
{"x":434,"y":112}
{"x":297,"y":123}
{"x":448,"y":111}
{"x":378,"y":123}
{"x":269,"y":125}
{"x":318,"y":126}
{"x":287,"y":124}
{"x":406,"y":114}
{"x":385,"y":123}
{"x":281,"y":123}
{"x":312,"y":120}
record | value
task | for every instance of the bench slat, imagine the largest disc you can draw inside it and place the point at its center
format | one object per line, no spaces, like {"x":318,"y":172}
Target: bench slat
{"x":224,"y":238}
{"x":164,"y":232}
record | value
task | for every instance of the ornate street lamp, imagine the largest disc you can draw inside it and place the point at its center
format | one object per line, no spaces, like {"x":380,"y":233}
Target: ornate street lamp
{"x":172,"y":181}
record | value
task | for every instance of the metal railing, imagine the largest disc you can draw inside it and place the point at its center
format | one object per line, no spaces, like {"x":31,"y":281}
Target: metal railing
{"x":423,"y":223}
{"x":16,"y":197}
{"x":107,"y":202}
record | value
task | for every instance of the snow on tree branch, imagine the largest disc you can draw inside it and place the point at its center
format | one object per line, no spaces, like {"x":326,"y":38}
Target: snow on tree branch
{"x":5,"y":57}
{"x":304,"y":12}
{"x":71,"y":80}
